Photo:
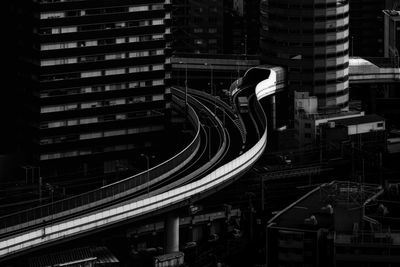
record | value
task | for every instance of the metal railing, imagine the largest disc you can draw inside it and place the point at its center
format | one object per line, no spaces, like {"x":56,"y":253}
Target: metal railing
{"x":104,"y":195}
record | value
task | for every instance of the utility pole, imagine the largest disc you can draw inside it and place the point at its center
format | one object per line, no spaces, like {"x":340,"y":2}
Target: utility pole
{"x":148,"y":170}
{"x":211,"y":76}
{"x":209,"y":141}
{"x":186,"y":83}
{"x":40,"y":190}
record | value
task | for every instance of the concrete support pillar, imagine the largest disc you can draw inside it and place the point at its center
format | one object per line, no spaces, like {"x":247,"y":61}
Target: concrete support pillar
{"x":171,"y":233}
{"x":273,"y":112}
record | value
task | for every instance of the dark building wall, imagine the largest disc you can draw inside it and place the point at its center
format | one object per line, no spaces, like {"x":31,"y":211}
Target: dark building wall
{"x":104,"y":76}
{"x":366,"y":28}
{"x":18,"y":97}
{"x":215,"y":26}
{"x":241,"y":27}
{"x":310,"y":38}
{"x":198,"y":26}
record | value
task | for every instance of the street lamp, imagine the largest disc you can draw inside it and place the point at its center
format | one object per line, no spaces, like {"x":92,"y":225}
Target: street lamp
{"x":223,"y":114}
{"x":186,"y":84}
{"x":209,"y":140}
{"x":211,"y":76}
{"x":352,"y":46}
{"x":148,"y":169}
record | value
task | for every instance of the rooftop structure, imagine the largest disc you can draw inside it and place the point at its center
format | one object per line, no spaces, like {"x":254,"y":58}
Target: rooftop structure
{"x":392,"y":34}
{"x":342,"y":223}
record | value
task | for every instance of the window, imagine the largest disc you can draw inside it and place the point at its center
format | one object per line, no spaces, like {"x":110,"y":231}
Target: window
{"x":91,"y":43}
{"x":198,"y":41}
{"x":307,"y":135}
{"x":158,"y":82}
{"x":90,"y":105}
{"x":52,"y":15}
{"x":158,"y":67}
{"x":58,"y":61}
{"x":68,"y":29}
{"x":55,"y":46}
{"x":90,"y":136}
{"x":115,"y":72}
{"x":114,"y":133}
{"x":134,"y":39}
{"x":56,"y":124}
{"x":71,"y":106}
{"x":157,"y":7}
{"x":120,"y":40}
{"x":158,"y":36}
{"x":88,"y":74}
{"x":158,"y":97}
{"x":380,"y":124}
{"x":51,"y":109}
{"x":138,"y":69}
{"x":157,"y":22}
{"x":138,"y":8}
{"x":88,"y":120}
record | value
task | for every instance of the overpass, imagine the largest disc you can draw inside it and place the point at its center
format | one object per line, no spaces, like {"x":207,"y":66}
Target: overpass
{"x":178,"y":181}
{"x":372,"y":70}
{"x":169,"y":185}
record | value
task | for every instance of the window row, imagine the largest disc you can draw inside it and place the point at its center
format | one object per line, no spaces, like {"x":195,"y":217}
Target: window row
{"x":93,"y":58}
{"x":101,"y":88}
{"x":94,"y":150}
{"x":99,"y":73}
{"x":282,"y":17}
{"x":103,"y":118}
{"x":101,"y":42}
{"x":99,"y":11}
{"x":98,"y":27}
{"x":100,"y":134}
{"x":201,"y":30}
{"x":101,"y":103}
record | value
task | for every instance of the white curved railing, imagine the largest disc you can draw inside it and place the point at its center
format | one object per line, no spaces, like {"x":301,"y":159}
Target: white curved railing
{"x":128,"y":210}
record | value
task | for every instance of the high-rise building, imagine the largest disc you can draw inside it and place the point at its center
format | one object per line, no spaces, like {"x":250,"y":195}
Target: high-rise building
{"x":392,"y":34}
{"x":241,"y":26}
{"x":104,"y":75}
{"x":198,"y":26}
{"x":18,"y":97}
{"x":216,"y":26}
{"x":366,"y":28}
{"x":311,"y":39}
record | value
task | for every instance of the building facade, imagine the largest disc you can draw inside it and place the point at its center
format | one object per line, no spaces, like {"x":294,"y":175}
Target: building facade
{"x":392,"y":35}
{"x":366,"y":28}
{"x":241,"y":27}
{"x":18,"y":97}
{"x":311,"y":39}
{"x":104,"y":76}
{"x":198,"y":26}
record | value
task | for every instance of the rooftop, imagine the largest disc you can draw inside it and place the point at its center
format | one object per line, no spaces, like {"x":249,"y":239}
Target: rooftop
{"x":97,"y":255}
{"x":359,"y":120}
{"x":315,"y":209}
{"x":394,"y":14}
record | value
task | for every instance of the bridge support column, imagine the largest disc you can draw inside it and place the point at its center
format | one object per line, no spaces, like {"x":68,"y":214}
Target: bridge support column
{"x":171,"y":233}
{"x":273,"y":112}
